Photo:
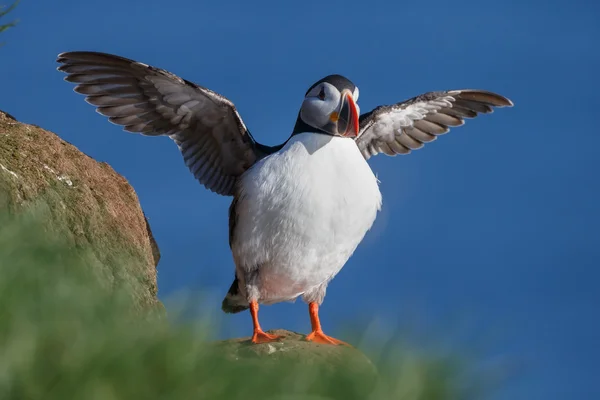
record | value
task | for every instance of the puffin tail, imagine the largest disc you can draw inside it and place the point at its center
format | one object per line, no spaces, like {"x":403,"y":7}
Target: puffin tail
{"x":234,"y":302}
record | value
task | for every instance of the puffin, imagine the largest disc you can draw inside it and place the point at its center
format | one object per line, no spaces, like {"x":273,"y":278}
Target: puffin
{"x":299,"y":209}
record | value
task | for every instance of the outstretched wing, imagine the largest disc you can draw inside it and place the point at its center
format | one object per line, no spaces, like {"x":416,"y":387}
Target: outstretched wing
{"x":406,"y":126}
{"x":214,"y":142}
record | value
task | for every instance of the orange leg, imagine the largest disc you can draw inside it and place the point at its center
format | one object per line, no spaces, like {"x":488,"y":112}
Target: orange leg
{"x":317,"y":334}
{"x":259,"y":335}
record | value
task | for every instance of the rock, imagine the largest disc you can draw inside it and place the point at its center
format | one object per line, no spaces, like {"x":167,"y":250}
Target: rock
{"x":322,"y":371}
{"x":84,"y":201}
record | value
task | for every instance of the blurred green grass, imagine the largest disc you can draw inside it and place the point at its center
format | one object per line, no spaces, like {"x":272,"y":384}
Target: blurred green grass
{"x":67,"y":333}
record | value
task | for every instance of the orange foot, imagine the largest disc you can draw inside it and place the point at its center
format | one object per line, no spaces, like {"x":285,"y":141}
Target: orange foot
{"x":261,"y":336}
{"x":322,"y":338}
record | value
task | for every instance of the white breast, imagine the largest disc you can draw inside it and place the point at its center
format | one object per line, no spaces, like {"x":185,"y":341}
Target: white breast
{"x":302,"y":212}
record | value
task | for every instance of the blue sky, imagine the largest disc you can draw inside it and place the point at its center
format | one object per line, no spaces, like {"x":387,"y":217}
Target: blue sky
{"x":488,"y":237}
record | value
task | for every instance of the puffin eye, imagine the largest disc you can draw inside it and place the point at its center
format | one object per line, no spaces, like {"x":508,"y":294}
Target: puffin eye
{"x":322,"y":93}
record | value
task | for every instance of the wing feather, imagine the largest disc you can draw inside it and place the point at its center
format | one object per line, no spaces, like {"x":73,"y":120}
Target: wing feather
{"x":213,"y":140}
{"x":419,"y":135}
{"x":406,"y":126}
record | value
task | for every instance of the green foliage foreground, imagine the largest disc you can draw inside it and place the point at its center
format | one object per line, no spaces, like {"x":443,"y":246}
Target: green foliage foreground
{"x":67,"y":334}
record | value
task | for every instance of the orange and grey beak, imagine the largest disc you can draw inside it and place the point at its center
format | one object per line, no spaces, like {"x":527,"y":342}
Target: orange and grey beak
{"x":345,"y":119}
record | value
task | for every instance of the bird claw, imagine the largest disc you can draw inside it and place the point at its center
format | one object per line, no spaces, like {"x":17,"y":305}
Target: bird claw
{"x":322,"y":338}
{"x":263,"y":337}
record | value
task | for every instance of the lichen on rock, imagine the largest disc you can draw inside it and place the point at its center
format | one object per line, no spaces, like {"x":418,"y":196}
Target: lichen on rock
{"x":83,"y":200}
{"x":326,"y":371}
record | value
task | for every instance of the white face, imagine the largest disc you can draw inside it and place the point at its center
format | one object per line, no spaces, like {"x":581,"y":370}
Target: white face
{"x":321,"y":102}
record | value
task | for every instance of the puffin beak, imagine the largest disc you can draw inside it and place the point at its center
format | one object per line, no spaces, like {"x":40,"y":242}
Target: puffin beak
{"x":347,"y":117}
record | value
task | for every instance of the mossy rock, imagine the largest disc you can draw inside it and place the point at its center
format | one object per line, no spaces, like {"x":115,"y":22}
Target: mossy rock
{"x":84,"y":201}
{"x":297,"y":366}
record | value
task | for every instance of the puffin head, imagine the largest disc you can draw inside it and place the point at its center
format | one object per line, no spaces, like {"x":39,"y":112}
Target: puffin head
{"x":330,"y":107}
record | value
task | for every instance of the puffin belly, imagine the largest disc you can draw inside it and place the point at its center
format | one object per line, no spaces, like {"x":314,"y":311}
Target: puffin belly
{"x":301,"y":214}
